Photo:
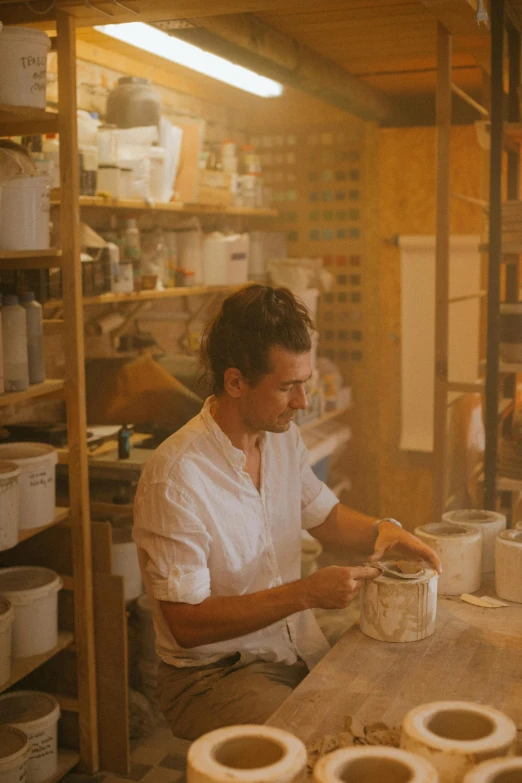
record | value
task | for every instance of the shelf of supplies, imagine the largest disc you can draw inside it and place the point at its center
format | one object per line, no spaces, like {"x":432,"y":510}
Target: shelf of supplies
{"x":328,"y":416}
{"x":509,"y":367}
{"x":30,"y":259}
{"x":67,"y":760}
{"x":61,"y":514}
{"x":167,"y":293}
{"x":21,"y":667}
{"x":180,"y":207}
{"x":36,"y":390}
{"x":26,"y":120}
{"x":513,"y":130}
{"x":325,"y":440}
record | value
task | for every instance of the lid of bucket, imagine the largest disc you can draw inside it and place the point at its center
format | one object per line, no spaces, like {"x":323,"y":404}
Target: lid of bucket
{"x":8,"y":469}
{"x":37,"y":36}
{"x":27,"y":707}
{"x":13,"y":743}
{"x":28,"y":582}
{"x":27,"y":453}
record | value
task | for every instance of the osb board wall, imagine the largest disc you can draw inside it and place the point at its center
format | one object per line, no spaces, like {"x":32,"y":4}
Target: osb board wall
{"x":323,"y":178}
{"x":407,"y":192}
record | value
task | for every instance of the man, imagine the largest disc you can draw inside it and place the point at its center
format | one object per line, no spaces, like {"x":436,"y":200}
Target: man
{"x":218,"y":517}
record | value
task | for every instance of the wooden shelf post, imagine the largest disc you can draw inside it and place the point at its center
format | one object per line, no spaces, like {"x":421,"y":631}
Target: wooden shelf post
{"x":75,"y":392}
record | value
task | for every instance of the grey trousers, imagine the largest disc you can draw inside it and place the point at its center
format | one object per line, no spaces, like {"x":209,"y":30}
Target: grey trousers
{"x":197,"y":700}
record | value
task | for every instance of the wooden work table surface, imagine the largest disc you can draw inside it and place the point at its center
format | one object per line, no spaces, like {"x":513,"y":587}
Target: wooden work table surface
{"x":475,"y":654}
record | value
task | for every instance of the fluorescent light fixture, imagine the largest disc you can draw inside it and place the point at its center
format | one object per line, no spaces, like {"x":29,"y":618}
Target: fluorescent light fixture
{"x":155,"y":41}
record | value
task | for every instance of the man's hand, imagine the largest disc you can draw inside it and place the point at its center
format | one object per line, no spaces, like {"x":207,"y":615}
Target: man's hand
{"x":335,"y":587}
{"x":393,"y":537}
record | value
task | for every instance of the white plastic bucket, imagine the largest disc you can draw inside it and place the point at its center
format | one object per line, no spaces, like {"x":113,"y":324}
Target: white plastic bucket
{"x":6,"y":622}
{"x":23,"y":65}
{"x":26,"y":204}
{"x":125,"y":562}
{"x":9,"y":504}
{"x":37,"y":463}
{"x":36,"y":714}
{"x":147,"y":633}
{"x":14,"y":755}
{"x":33,"y":592}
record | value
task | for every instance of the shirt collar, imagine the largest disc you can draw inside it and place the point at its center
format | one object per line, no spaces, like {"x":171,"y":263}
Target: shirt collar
{"x":236,"y":457}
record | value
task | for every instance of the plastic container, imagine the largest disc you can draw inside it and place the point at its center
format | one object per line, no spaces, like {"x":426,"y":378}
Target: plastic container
{"x":190,"y":252}
{"x":26,"y":204}
{"x":157,"y":173}
{"x":23,"y":65}
{"x":9,"y":504}
{"x":6,"y":622}
{"x":37,"y":463}
{"x":37,"y":715}
{"x":125,"y":562}
{"x":51,"y":150}
{"x":14,"y":341}
{"x":225,"y":259}
{"x":126,"y":182}
{"x":109,"y":180}
{"x":147,"y":633}
{"x":33,"y":311}
{"x":33,"y":592}
{"x":14,"y":755}
{"x":133,"y":103}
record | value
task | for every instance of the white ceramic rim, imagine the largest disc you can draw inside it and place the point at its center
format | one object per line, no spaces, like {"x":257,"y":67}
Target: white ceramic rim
{"x":508,"y":536}
{"x":8,"y":469}
{"x":469,"y":531}
{"x":200,"y":754}
{"x":484,"y":772}
{"x":30,"y":726}
{"x":328,"y":767}
{"x":415,"y":726}
{"x":493,"y":517}
{"x":426,"y":577}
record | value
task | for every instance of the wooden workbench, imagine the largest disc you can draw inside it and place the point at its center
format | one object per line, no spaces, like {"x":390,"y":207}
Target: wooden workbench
{"x":475,"y":655}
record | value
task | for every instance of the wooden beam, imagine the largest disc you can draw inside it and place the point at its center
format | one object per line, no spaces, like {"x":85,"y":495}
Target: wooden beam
{"x":443,"y":128}
{"x":75,"y":393}
{"x":250,"y":42}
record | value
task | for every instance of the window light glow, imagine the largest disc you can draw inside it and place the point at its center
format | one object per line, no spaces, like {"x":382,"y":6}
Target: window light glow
{"x":155,"y":41}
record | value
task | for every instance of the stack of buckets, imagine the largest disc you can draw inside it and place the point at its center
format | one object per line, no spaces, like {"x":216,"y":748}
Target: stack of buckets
{"x":24,"y":201}
{"x":28,"y":614}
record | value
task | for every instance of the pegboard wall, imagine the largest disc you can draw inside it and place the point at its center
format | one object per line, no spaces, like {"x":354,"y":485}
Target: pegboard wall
{"x":323,"y":182}
{"x":316,"y":178}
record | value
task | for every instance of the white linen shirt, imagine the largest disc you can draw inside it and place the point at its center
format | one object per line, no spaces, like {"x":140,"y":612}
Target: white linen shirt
{"x":202,"y":529}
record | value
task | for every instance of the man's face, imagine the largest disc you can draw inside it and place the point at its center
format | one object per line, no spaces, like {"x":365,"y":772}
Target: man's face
{"x":271,"y":405}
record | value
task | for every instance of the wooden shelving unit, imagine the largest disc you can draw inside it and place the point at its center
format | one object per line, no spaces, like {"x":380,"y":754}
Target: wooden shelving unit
{"x":21,"y":667}
{"x":168,"y":293}
{"x":16,"y":121}
{"x":37,"y":390}
{"x":326,"y":417}
{"x":30,"y":259}
{"x":61,"y":515}
{"x":135,"y":205}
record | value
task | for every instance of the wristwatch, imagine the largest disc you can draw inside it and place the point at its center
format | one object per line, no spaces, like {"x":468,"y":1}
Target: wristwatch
{"x":386,"y":519}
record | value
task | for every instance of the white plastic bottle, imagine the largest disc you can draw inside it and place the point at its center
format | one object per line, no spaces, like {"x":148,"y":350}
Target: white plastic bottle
{"x":51,"y":150}
{"x":2,"y":385}
{"x":14,"y":342}
{"x":33,"y":311}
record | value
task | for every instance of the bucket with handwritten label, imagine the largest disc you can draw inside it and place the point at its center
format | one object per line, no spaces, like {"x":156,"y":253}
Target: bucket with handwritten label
{"x":37,"y":463}
{"x":23,"y":65}
{"x":33,"y":592}
{"x":9,"y":504}
{"x":36,"y":714}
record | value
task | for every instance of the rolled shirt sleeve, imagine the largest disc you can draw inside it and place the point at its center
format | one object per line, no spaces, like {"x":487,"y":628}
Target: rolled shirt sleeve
{"x":317,"y":500}
{"x":173,"y":544}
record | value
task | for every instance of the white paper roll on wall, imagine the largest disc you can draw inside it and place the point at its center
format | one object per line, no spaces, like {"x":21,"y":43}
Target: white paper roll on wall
{"x":496,"y":771}
{"x":459,"y":548}
{"x":454,"y":736}
{"x":490,"y":525}
{"x":508,"y":565}
{"x":373,"y":765}
{"x":247,"y":754}
{"x":399,"y":610}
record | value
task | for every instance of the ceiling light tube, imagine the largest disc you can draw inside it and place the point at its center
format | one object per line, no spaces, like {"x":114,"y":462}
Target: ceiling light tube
{"x":152,"y":40}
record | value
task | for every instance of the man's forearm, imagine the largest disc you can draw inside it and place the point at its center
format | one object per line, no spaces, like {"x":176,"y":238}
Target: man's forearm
{"x":346,"y":527}
{"x":220,"y":618}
